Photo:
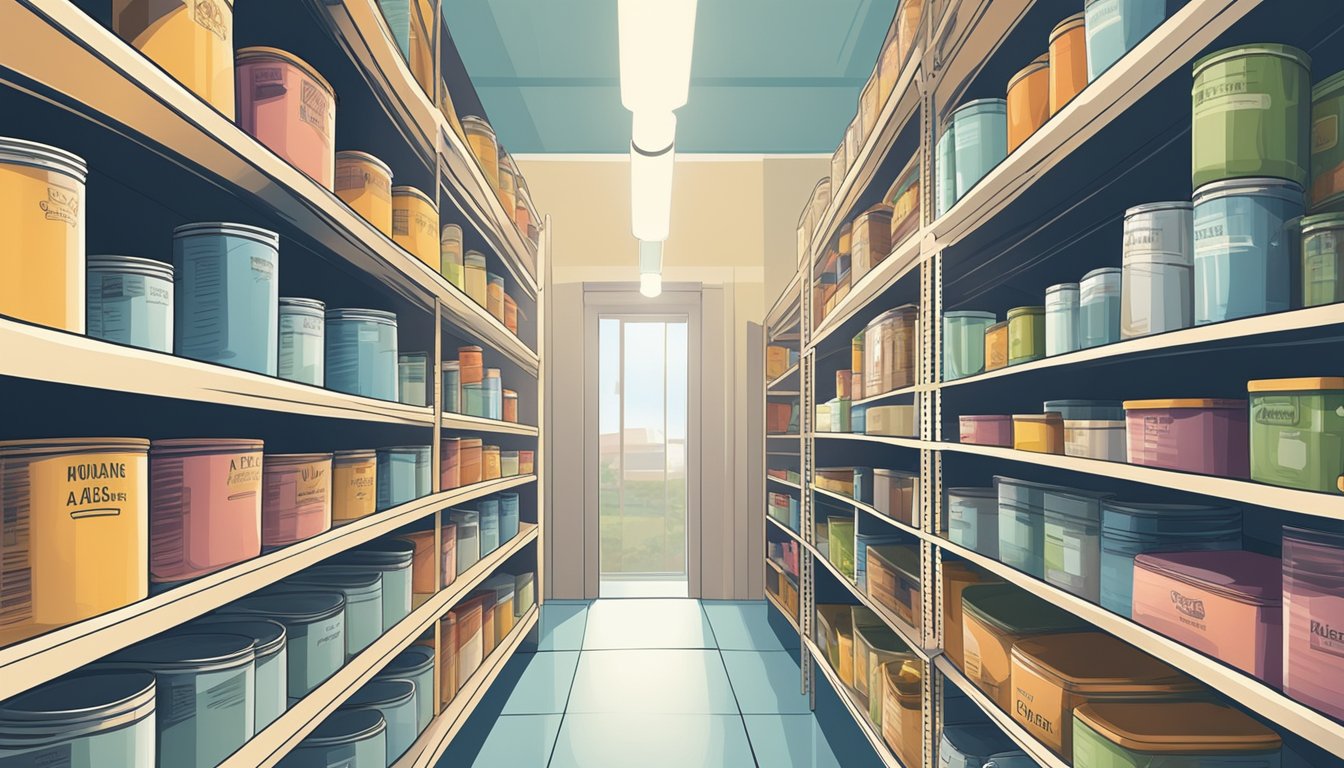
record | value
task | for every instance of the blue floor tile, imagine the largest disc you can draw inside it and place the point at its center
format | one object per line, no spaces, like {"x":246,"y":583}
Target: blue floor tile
{"x":652,"y":623}
{"x":789,"y":741}
{"x":516,"y":741}
{"x":561,"y":625}
{"x":742,"y":626}
{"x":652,"y":741}
{"x":543,"y":687}
{"x":652,"y":681}
{"x":766,"y":683}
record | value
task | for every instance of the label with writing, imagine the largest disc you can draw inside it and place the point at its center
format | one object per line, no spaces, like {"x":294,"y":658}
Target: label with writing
{"x":1326,"y":637}
{"x":56,"y":756}
{"x":314,"y":106}
{"x":61,"y":205}
{"x":1325,"y":133}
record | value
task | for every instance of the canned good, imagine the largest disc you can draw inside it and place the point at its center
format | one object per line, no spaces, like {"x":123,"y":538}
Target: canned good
{"x":193,"y":42}
{"x":365,"y":184}
{"x":314,"y":633}
{"x":474,"y":277}
{"x":361,"y":352}
{"x":403,"y":475}
{"x":82,"y":720}
{"x":481,"y":140}
{"x":353,"y":485}
{"x":286,"y":105}
{"x":1068,"y":61}
{"x":227,"y":295}
{"x":1115,"y":26}
{"x":450,"y":255}
{"x":302,"y":340}
{"x":272,"y":668}
{"x":1099,"y":307}
{"x":1158,"y":273}
{"x":980,"y":137}
{"x":1246,"y":246}
{"x":1061,"y":318}
{"x":1327,"y":152}
{"x":130,"y":301}
{"x":1322,"y":259}
{"x":296,"y":499}
{"x":1028,"y":100}
{"x":204,"y":506}
{"x":363,"y":593}
{"x":413,"y":378}
{"x":494,"y":295}
{"x":355,"y":737}
{"x":392,"y":558}
{"x":1026,"y":334}
{"x":415,"y":225}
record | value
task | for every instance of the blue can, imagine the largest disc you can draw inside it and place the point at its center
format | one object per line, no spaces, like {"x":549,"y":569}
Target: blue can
{"x":227,"y":291}
{"x":314,"y":634}
{"x":452,"y":387}
{"x":392,"y":559}
{"x":494,"y":394}
{"x":363,"y":593}
{"x":362,"y":352}
{"x":1061,"y":318}
{"x":1099,"y":307}
{"x":947,"y":169}
{"x":508,"y":516}
{"x":488,"y":511}
{"x":973,"y":519}
{"x":1115,"y":26}
{"x":403,"y":474}
{"x":416,"y":664}
{"x":354,"y":738}
{"x":81,"y":720}
{"x":1022,"y":524}
{"x":130,"y":301}
{"x":395,"y":701}
{"x":302,"y":340}
{"x":980,"y":138}
{"x":1246,"y":247}
{"x":272,"y":668}
{"x":1130,"y":529}
{"x":468,"y":525}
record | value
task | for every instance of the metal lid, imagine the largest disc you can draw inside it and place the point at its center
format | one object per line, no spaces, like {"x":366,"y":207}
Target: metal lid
{"x":1060,"y":287}
{"x":214,"y":228}
{"x":346,"y":578}
{"x":1282,"y":189}
{"x":363,"y":157}
{"x":1070,"y":22}
{"x":1101,"y":272}
{"x":1328,"y":86}
{"x":475,"y":259}
{"x":358,"y":454}
{"x":415,"y":660}
{"x":362,"y":314}
{"x":1037,"y":64}
{"x":381,"y":553}
{"x":476,"y":123}
{"x":1321,"y":221}
{"x":264,"y":53}
{"x":1185,"y":727}
{"x":59,"y":445}
{"x":970,"y":314}
{"x":417,"y":450}
{"x":288,"y":609}
{"x":1329,"y":384}
{"x":1098,"y":662}
{"x":129,"y":265}
{"x":974,"y":493}
{"x":1165,"y":205}
{"x":997,"y":105}
{"x":269,"y":635}
{"x":345,"y":726}
{"x":75,"y":705}
{"x":377,"y":694}
{"x":1021,"y":311}
{"x":44,"y":156}
{"x":294,"y":302}
{"x":451,"y":229}
{"x":192,"y":652}
{"x":451,"y":365}
{"x":1050,"y":417}
{"x":413,"y":192}
{"x":1148,"y":405}
{"x":1254,"y":49}
{"x":1247,"y":577}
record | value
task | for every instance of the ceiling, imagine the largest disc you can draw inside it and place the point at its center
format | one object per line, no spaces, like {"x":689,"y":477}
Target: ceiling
{"x":767,"y":76}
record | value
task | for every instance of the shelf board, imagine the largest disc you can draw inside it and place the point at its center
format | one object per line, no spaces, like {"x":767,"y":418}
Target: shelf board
{"x":439,"y":734}
{"x":904,"y":442}
{"x":902,"y":392}
{"x":904,"y":260}
{"x":1247,"y":691}
{"x":897,"y":524}
{"x":793,"y":620}
{"x":32,"y":662}
{"x":792,"y":370}
{"x":463,"y":422}
{"x":1025,"y":741}
{"x":787,"y":302}
{"x":784,"y":393}
{"x":874,"y":736}
{"x":788,"y":483}
{"x":783,"y":435}
{"x":271,"y":745}
{"x":1244,"y":491}
{"x":906,"y":632}
{"x":795,"y":535}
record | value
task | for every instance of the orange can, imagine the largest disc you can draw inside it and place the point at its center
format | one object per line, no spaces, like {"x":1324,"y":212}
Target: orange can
{"x":471,"y":363}
{"x":1028,"y":100}
{"x":1068,"y":61}
{"x":192,"y":41}
{"x":415,"y":225}
{"x":365,"y":184}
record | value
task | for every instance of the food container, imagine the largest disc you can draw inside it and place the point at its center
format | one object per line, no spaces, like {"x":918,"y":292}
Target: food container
{"x":1191,"y":435}
{"x":204,"y":694}
{"x":467,"y":646}
{"x":314,"y":630}
{"x":500,"y":588}
{"x":354,"y":485}
{"x":510,"y":406}
{"x":470,"y":471}
{"x":450,"y":463}
{"x":890,"y":343}
{"x":413,"y":378}
{"x":1196,"y":734}
{"x":1068,"y":61}
{"x":403,"y":474}
{"x":392,"y":559}
{"x":81,"y":720}
{"x":226,"y":295}
{"x":204,"y":506}
{"x":1297,"y":433}
{"x":363,"y":593}
{"x":987,"y":430}
{"x":468,"y":525}
{"x":192,"y":42}
{"x":995,"y":617}
{"x":1028,"y":100}
{"x":821,"y":193}
{"x":286,"y":105}
{"x":416,"y":665}
{"x":1038,"y":432}
{"x":451,"y":260}
{"x":969,"y":745}
{"x":981,"y":140}
{"x":1026,"y":334}
{"x":415,"y":225}
{"x":1246,"y":246}
{"x":956,"y":577}
{"x":506,"y":185}
{"x":1327,"y":152}
{"x":1115,"y":26}
{"x":1086,"y":410}
{"x":872,"y":637}
{"x":1227,"y":604}
{"x":130,"y":301}
{"x":487,"y":511}
{"x":472,"y":366}
{"x":1157,"y":280}
{"x":361,"y":352}
{"x":365,"y":184}
{"x":526,"y":462}
{"x":296,"y":497}
{"x":889,"y":420}
{"x":494,"y":295}
{"x":481,"y":140}
{"x":871,"y":242}
{"x":452,"y":387}
{"x":996,"y":346}
{"x":902,"y":711}
{"x":525,"y":593}
{"x":1252,"y":114}
{"x":973,"y":519}
{"x":1073,"y":541}
{"x":357,"y":737}
{"x":964,"y":343}
{"x":1104,"y":440}
{"x":904,"y":198}
{"x":908,"y":17}
{"x":494,"y":389}
{"x":510,"y":314}
{"x":1022,"y":524}
{"x":271,"y":665}
{"x":1061,"y":318}
{"x":1322,"y":259}
{"x":475,"y":277}
{"x":1099,"y":307}
{"x":946,"y":180}
{"x":1053,"y":674}
{"x":896,"y":495}
{"x":1313,"y":613}
{"x":893,"y":581}
{"x":490,"y":469}
{"x":395,"y":701}
{"x":302,"y":340}
{"x":508,"y":516}
{"x":840,"y":533}
{"x":839,"y":161}
{"x":1129,"y":529}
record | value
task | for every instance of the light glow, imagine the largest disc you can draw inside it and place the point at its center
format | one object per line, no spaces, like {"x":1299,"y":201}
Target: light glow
{"x":651,"y":193}
{"x":653,"y":130}
{"x":651,"y":285}
{"x":656,"y":38}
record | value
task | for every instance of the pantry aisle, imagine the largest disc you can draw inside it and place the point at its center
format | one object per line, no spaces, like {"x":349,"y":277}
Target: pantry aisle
{"x":657,"y":682}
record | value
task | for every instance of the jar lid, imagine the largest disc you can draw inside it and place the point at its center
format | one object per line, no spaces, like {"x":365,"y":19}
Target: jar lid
{"x":1062,"y":287}
{"x":1101,"y":272}
{"x":342,"y":577}
{"x":996,"y":105}
{"x":135,"y":265}
{"x":197,"y":446}
{"x":59,"y":445}
{"x":413,"y":192}
{"x":358,"y":454}
{"x":269,"y":635}
{"x":478,"y":123}
{"x":363,"y":314}
{"x":44,"y":156}
{"x":1282,"y":189}
{"x":1187,"y":727}
{"x":1149,"y":405}
{"x":391,"y":552}
{"x":1315,"y":384}
{"x":264,"y":53}
{"x":295,"y":302}
{"x":1321,"y":221}
{"x":1327,"y":87}
{"x":1037,"y":64}
{"x":295,"y":608}
{"x":1053,"y":417}
{"x":970,"y":314}
{"x":1254,"y":49}
{"x":363,"y":157}
{"x":415,"y":660}
{"x":270,"y":460}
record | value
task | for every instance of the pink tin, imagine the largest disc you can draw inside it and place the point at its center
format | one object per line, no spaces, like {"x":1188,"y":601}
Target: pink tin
{"x":286,"y":105}
{"x":1313,"y":619}
{"x":296,"y":497}
{"x":204,"y":506}
{"x":1227,"y":604}
{"x":450,"y":463}
{"x":1210,"y":437}
{"x":987,"y":430}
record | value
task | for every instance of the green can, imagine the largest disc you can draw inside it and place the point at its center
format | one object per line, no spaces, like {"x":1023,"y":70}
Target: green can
{"x":1252,"y":112}
{"x":1297,"y":433}
{"x":1170,"y":734}
{"x":1327,"y":149}
{"x":840,"y":533}
{"x":1026,"y":334}
{"x":1322,"y":259}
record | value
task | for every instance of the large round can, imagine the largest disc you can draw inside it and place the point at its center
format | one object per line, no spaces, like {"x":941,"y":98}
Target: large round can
{"x":272,"y":673}
{"x":416,"y":664}
{"x":471,"y":362}
{"x":365,"y":184}
{"x":1322,"y":259}
{"x":1028,"y":100}
{"x":204,"y":506}
{"x":228,"y":288}
{"x":303,"y":333}
{"x":1246,"y":247}
{"x":354,"y":485}
{"x":192,"y":41}
{"x":395,"y":700}
{"x":361,"y":352}
{"x":314,"y":630}
{"x":1252,"y":115}
{"x":1061,"y":318}
{"x":42,"y":216}
{"x":1099,"y":307}
{"x":1158,"y":265}
{"x":481,"y":140}
{"x":346,"y":737}
{"x":1327,"y":141}
{"x":413,"y":378}
{"x":980,"y":137}
{"x":1026,"y":334}
{"x":403,"y":474}
{"x":415,"y":225}
{"x":469,"y":460}
{"x":452,"y":386}
{"x":286,"y":105}
{"x":130,"y":301}
{"x":296,"y":500}
{"x":76,"y":528}
{"x":392,"y":558}
{"x":506,"y":186}
{"x":82,"y":720}
{"x":1115,"y":26}
{"x":363,"y":593}
{"x":450,"y":255}
{"x":450,"y":463}
{"x":1068,"y":61}
{"x":946,"y":151}
{"x":494,"y":295}
{"x":474,"y":276}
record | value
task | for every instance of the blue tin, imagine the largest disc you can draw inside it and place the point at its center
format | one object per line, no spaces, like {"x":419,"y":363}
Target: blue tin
{"x":346,"y":737}
{"x":980,"y":137}
{"x":226,"y":292}
{"x":973,"y":519}
{"x":403,"y":474}
{"x":858,"y":419}
{"x":452,"y":387}
{"x":494,"y":394}
{"x":1246,"y":247}
{"x":508,"y":516}
{"x":468,"y":524}
{"x":1022,"y":525}
{"x":964,"y":342}
{"x":969,"y":745}
{"x":1099,"y":307}
{"x":362,"y":352}
{"x":1061,"y":318}
{"x":272,"y":668}
{"x":1130,"y":529}
{"x":363,"y":593}
{"x":302,"y":340}
{"x":81,"y":720}
{"x":1157,"y":292}
{"x":391,"y":559}
{"x":130,"y":301}
{"x":416,"y":664}
{"x":413,"y":378}
{"x":489,"y":518}
{"x":314,"y":633}
{"x":1115,"y":26}
{"x":395,"y":701}
{"x":946,"y":195}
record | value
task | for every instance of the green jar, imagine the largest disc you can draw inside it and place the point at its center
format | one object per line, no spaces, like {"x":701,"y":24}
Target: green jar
{"x":1026,"y":334}
{"x":1327,"y":143}
{"x":1252,"y":112}
{"x":1322,"y":259}
{"x":1170,"y":734}
{"x":1297,"y":433}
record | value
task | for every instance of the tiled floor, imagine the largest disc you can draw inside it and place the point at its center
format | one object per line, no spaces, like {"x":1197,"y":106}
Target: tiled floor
{"x":654,"y":683}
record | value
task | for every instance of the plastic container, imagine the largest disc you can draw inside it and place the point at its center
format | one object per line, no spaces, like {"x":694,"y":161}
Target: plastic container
{"x":1026,"y":334}
{"x":964,"y":343}
{"x":415,"y":225}
{"x":470,"y":460}
{"x":1187,"y":734}
{"x":890,"y":344}
{"x":1022,"y":524}
{"x":973,"y":519}
{"x":403,"y":475}
{"x":871,"y":242}
{"x":363,"y":593}
{"x":873,"y":640}
{"x":1068,"y":61}
{"x":413,"y":378}
{"x":1252,"y":114}
{"x":1313,"y":613}
{"x":1061,"y":318}
{"x":1073,"y":541}
{"x":1086,"y":410}
{"x":81,"y":720}
{"x":1028,"y":100}
{"x":947,"y":169}
{"x":969,"y":745}
{"x":1206,"y":436}
{"x":526,"y":462}
{"x":893,"y":581}
{"x":510,"y":406}
{"x":902,"y":711}
{"x":365,"y":184}
{"x":1053,"y":674}
{"x":1115,"y":26}
{"x":450,"y":463}
{"x":993,"y":430}
{"x":314,"y":631}
{"x":1099,"y":307}
{"x":191,"y":42}
{"x":995,"y":617}
{"x":346,"y":737}
{"x":481,"y":140}
{"x":204,"y":506}
{"x":508,"y":516}
{"x":980,"y":135}
{"x":494,"y":295}
{"x":490,"y":469}
{"x":1104,"y":440}
{"x":451,"y":264}
{"x":488,"y":515}
{"x":130,"y":301}
{"x":452,"y":387}
{"x":508,"y":463}
{"x":468,"y":524}
{"x":1038,"y":432}
{"x":296,"y":497}
{"x":494,"y":388}
{"x":1297,"y":433}
{"x":286,"y":105}
{"x":271,"y":664}
{"x":890,"y":420}
{"x":1158,"y":272}
{"x":361,"y":352}
{"x":392,"y":558}
{"x":510,"y":314}
{"x":896,"y":495}
{"x":302,"y":340}
{"x":1327,"y":151}
{"x":1227,"y":604}
{"x":475,"y":277}
{"x":354,"y":485}
{"x":996,"y":346}
{"x":1246,"y":247}
{"x":955,"y":577}
{"x":506,"y":185}
{"x":415,"y":664}
{"x":395,"y":701}
{"x":226,"y":295}
{"x":1322,"y":259}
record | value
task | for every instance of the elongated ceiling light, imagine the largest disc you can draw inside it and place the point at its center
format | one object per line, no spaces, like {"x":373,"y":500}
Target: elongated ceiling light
{"x":650,"y":268}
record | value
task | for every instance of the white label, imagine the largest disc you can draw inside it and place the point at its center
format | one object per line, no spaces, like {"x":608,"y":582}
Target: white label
{"x":1232,"y":102}
{"x":1292,"y":450}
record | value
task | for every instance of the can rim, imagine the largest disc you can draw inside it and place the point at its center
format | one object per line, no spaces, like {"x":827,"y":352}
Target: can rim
{"x":409,"y":191}
{"x":264,"y":236}
{"x":361,"y":313}
{"x":298,"y":301}
{"x":116,"y":262}
{"x":44,"y":156}
{"x":1265,"y":185}
{"x":1318,"y":221}
{"x":1068,"y":23}
{"x":1037,"y":64}
{"x":354,"y":732}
{"x":40,"y":724}
{"x":1252,"y":49}
{"x":263,"y":52}
{"x":355,"y":154}
{"x":979,"y":103}
{"x":354,"y":453}
{"x":1163,"y":205}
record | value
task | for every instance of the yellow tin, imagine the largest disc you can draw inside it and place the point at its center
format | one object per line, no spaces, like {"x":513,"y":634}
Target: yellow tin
{"x":481,"y":140}
{"x":490,"y":469}
{"x":192,"y":41}
{"x":354,"y":485}
{"x":506,"y":183}
{"x":450,"y":255}
{"x":365,"y":184}
{"x":474,"y":276}
{"x":415,"y":224}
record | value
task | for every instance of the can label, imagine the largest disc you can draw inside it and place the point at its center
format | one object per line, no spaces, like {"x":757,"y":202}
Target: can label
{"x":1324,"y":133}
{"x":314,"y":106}
{"x":209,"y":16}
{"x":58,"y":756}
{"x":1326,"y":638}
{"x":62,"y":204}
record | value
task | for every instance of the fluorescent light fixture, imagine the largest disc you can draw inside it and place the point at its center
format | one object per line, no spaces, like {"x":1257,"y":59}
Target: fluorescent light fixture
{"x":651,"y":193}
{"x":654,"y":129}
{"x":656,"y":38}
{"x":650,"y":268}
{"x":651,"y":285}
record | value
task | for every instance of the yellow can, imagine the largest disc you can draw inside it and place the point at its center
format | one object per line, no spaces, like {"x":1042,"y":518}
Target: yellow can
{"x":450,"y":255}
{"x":506,"y":183}
{"x":490,"y":462}
{"x":75,"y":528}
{"x":192,"y":41}
{"x":494,"y":296}
{"x":474,"y":276}
{"x":42,"y":216}
{"x":354,"y":486}
{"x":1038,"y":432}
{"x":415,"y":224}
{"x":481,"y":140}
{"x":365,"y":184}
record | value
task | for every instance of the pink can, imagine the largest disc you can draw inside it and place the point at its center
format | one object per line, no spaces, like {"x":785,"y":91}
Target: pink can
{"x":987,"y":430}
{"x":1228,"y":604}
{"x":1313,"y":618}
{"x":296,"y":500}
{"x":204,"y":506}
{"x":1209,"y":437}
{"x":286,"y":105}
{"x":450,"y":463}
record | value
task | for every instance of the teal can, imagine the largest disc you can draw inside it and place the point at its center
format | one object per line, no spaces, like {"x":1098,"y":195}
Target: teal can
{"x":508,"y":516}
{"x":468,"y":525}
{"x":391,"y":558}
{"x":361,"y":352}
{"x":1113,"y":27}
{"x":363,"y":593}
{"x":271,"y":668}
{"x":402,"y":475}
{"x":1246,"y":247}
{"x":1099,"y":307}
{"x":302,"y":340}
{"x":130,"y":301}
{"x":488,"y":511}
{"x":980,"y":140}
{"x":227,"y":287}
{"x":86,"y":719}
{"x":1322,"y":259}
{"x":946,"y":150}
{"x":395,"y":701}
{"x":347,"y":738}
{"x":416,"y":664}
{"x":476,"y":400}
{"x":1061,"y":318}
{"x":314,"y":633}
{"x":1252,"y":115}
{"x":964,"y":343}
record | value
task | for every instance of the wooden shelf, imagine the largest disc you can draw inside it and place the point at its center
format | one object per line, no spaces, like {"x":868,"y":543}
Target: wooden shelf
{"x":1028,"y":743}
{"x":793,"y":620}
{"x":783,"y":377}
{"x":462,"y":422}
{"x":904,"y":442}
{"x":907,"y":633}
{"x":786,"y":483}
{"x":871,"y":510}
{"x":904,"y":261}
{"x":895,"y":393}
{"x":860,"y":716}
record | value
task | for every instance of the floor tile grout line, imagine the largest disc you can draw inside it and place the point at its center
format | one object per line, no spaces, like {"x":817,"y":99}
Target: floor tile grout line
{"x":555,"y":742}
{"x":742,"y":718}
